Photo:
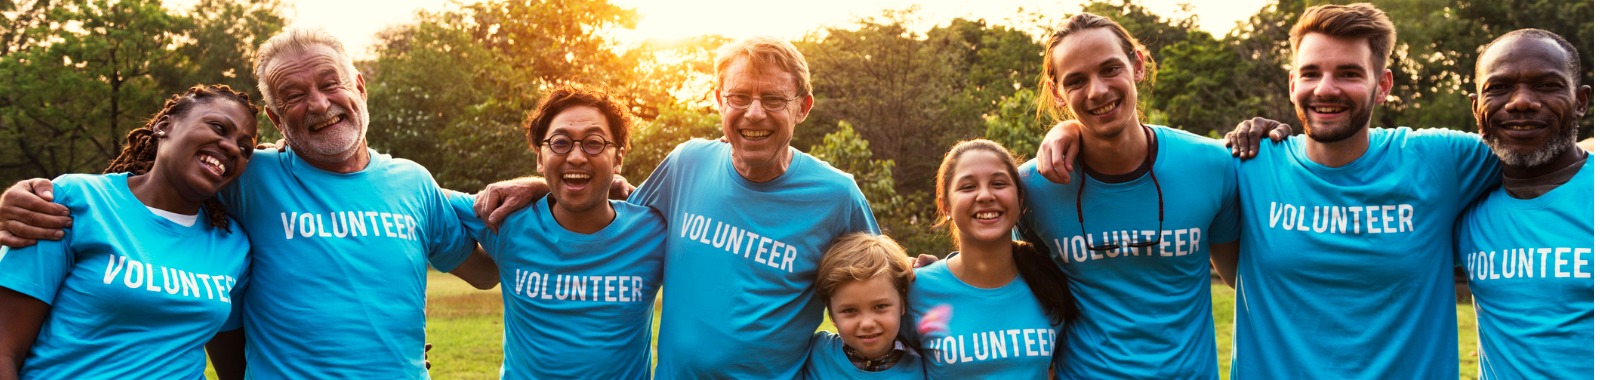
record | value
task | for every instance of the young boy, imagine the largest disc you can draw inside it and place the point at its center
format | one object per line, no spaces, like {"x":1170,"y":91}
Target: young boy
{"x":863,"y":279}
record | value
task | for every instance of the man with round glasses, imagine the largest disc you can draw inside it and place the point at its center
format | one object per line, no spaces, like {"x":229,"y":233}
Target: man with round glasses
{"x":580,"y":272}
{"x":747,"y":223}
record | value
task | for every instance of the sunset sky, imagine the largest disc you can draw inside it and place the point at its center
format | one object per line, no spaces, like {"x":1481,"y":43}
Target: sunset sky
{"x":355,"y":21}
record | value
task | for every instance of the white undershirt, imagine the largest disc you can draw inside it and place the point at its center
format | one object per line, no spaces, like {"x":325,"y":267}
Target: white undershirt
{"x":185,"y":220}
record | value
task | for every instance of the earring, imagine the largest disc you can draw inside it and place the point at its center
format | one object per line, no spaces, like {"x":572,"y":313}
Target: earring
{"x":161,"y":134}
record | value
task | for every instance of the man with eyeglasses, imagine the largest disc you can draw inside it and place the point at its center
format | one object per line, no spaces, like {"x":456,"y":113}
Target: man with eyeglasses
{"x":748,"y":221}
{"x":580,"y":271}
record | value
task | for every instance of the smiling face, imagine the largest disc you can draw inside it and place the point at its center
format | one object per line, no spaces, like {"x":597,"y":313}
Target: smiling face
{"x":1334,"y":86}
{"x":981,"y":198}
{"x":206,"y":147}
{"x":867,"y":314}
{"x":579,"y":182}
{"x":319,"y":104}
{"x":1527,"y":104}
{"x":760,"y":138}
{"x":1096,"y":80}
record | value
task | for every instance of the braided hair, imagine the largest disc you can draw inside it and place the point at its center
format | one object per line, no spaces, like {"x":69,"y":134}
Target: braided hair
{"x":139,"y":151}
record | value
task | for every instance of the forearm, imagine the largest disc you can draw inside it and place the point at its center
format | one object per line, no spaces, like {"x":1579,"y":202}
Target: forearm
{"x":478,"y":270}
{"x":20,"y":321}
{"x":1225,"y":259}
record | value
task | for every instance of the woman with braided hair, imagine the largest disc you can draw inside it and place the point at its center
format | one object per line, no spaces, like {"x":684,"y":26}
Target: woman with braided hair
{"x":141,"y":280}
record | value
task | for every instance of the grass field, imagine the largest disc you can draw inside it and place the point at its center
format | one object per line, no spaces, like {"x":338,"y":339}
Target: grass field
{"x":464,"y":326}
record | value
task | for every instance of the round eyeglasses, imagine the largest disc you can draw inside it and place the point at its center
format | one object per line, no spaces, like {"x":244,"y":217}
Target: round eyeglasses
{"x":592,"y":145}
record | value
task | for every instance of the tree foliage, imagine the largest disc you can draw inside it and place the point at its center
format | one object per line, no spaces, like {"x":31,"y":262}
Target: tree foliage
{"x":75,"y":76}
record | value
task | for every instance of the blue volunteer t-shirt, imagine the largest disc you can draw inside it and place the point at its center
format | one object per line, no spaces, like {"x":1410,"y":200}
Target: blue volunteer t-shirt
{"x":827,"y":361}
{"x":1345,"y":272}
{"x":1000,"y":333}
{"x":132,"y":295}
{"x":576,"y":305}
{"x":1146,"y":313}
{"x":1530,"y":263}
{"x":739,"y":300}
{"x":344,"y":258}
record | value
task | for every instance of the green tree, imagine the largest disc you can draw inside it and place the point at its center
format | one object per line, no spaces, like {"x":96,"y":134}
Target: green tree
{"x":898,"y":215}
{"x":1016,"y":125}
{"x":451,"y":90}
{"x":77,"y":79}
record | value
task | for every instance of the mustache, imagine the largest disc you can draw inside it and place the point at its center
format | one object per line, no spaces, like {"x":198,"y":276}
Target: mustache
{"x":334,"y":111}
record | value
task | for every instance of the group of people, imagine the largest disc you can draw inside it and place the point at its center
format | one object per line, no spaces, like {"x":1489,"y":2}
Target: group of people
{"x":310,"y":261}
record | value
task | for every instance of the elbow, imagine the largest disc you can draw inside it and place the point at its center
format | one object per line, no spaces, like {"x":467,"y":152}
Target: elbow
{"x":485,"y":284}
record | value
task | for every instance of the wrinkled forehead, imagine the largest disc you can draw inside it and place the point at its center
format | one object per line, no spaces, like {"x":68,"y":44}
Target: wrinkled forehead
{"x":316,"y":60}
{"x":1530,"y":54}
{"x":745,"y":72}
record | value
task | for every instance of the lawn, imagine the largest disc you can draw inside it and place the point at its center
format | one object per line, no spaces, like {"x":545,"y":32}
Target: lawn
{"x":465,"y":328}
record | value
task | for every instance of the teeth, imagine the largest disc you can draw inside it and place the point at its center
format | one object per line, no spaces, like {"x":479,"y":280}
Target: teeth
{"x":988,"y":215}
{"x":327,"y":123}
{"x":1325,"y":109}
{"x":215,"y":164}
{"x":753,"y":134}
{"x":1103,"y":109}
{"x":1520,"y":127}
{"x":575,"y":176}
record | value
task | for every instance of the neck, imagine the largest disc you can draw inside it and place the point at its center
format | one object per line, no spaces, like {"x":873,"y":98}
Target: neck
{"x":355,"y":163}
{"x":1337,"y":153}
{"x":985,"y":264}
{"x":763,"y":173}
{"x":1120,"y":153}
{"x":584,"y":222}
{"x":1561,"y":161}
{"x":154,"y":190}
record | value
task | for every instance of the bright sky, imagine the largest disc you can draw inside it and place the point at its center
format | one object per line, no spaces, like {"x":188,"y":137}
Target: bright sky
{"x":356,"y":21}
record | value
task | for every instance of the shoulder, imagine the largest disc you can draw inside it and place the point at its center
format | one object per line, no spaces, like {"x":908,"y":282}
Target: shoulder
{"x":811,"y":168}
{"x":823,"y":339}
{"x":699,"y":147}
{"x":74,"y":189}
{"x":639,"y":218}
{"x":389,"y":165}
{"x":1179,"y":138}
{"x":79,"y":181}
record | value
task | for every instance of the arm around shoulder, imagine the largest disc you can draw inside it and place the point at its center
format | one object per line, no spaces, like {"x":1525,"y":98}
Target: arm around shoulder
{"x":478,"y":270}
{"x":1225,"y":260}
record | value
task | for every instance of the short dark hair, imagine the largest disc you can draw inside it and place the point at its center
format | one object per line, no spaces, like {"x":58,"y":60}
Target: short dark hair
{"x":1574,"y":61}
{"x":567,"y":96}
{"x":1359,"y":20}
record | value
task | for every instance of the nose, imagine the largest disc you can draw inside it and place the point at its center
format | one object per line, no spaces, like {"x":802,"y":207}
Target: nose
{"x":232,"y":148}
{"x":755,"y":111}
{"x":1098,"y":90}
{"x":1522,"y":99}
{"x":317,"y":102}
{"x":985,"y":194}
{"x":576,"y":155}
{"x":869,"y":325}
{"x":1325,"y":86}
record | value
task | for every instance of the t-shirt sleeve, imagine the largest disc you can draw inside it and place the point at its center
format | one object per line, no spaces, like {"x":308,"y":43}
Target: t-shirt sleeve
{"x":1464,"y":155}
{"x":859,"y":216}
{"x":1225,"y":226}
{"x":476,"y":229}
{"x":448,"y":241}
{"x":654,"y":191}
{"x":236,"y":295}
{"x":38,"y":270}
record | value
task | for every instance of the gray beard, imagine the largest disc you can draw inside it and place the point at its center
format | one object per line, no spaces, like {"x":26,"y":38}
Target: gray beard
{"x":1543,"y":155}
